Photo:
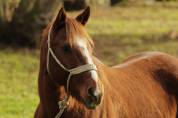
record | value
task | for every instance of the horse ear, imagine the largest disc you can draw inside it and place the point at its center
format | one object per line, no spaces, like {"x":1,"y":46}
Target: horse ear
{"x":60,"y":19}
{"x":83,"y":17}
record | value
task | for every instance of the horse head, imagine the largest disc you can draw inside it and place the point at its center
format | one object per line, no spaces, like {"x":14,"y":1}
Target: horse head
{"x":70,"y":58}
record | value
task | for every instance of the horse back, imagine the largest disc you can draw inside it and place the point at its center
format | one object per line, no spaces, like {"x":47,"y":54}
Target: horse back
{"x":152,"y":76}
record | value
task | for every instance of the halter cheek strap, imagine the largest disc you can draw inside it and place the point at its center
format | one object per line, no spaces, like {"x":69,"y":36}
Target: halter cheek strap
{"x":87,"y":67}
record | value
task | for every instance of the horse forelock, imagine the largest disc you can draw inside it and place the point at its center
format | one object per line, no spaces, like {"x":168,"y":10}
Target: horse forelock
{"x":75,"y":29}
{"x":72,"y":30}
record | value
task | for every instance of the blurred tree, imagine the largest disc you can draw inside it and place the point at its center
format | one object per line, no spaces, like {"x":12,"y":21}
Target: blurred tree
{"x":21,"y":22}
{"x":74,"y":4}
{"x":113,"y":2}
{"x":81,"y":4}
{"x":7,"y":8}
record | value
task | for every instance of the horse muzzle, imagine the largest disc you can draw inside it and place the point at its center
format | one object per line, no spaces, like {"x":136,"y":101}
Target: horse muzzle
{"x":93,"y":99}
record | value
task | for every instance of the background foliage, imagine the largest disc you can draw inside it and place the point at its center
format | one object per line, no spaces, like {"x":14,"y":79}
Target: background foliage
{"x":25,"y":19}
{"x":126,"y":28}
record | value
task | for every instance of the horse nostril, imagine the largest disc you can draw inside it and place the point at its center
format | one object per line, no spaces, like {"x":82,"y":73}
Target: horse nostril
{"x":92,"y":94}
{"x":91,"y":91}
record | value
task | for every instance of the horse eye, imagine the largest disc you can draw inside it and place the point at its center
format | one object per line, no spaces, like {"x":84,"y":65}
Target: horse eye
{"x":66,"y":48}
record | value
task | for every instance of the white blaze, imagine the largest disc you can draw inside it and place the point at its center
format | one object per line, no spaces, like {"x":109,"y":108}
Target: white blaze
{"x":83,"y":46}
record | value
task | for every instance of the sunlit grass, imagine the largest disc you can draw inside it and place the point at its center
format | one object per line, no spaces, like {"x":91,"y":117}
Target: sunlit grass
{"x":133,"y":20}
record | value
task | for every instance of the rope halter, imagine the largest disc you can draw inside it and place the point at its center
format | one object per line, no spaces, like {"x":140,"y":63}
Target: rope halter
{"x":80,"y":69}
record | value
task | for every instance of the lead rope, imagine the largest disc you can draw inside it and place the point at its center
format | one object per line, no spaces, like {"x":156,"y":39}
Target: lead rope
{"x":63,"y":104}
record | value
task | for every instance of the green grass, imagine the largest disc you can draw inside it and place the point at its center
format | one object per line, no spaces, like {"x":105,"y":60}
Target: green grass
{"x":118,"y":32}
{"x":18,"y":91}
{"x":122,"y":31}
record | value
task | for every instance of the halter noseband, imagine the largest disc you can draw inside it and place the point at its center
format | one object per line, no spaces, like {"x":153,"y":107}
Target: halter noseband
{"x":80,"y":69}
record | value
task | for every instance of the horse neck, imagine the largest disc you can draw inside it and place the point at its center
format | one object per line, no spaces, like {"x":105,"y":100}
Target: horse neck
{"x":47,"y":87}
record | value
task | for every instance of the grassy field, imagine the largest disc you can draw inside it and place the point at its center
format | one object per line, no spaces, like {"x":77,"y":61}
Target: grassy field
{"x":18,"y":90}
{"x":118,"y":32}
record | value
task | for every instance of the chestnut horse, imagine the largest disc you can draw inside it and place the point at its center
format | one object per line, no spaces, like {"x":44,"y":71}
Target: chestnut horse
{"x":73,"y":83}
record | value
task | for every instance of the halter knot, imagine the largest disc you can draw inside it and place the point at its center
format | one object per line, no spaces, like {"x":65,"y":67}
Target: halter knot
{"x":63,"y":103}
